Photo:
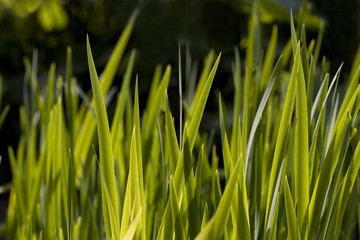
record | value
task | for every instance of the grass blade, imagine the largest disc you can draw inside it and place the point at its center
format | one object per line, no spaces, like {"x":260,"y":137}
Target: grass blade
{"x":200,"y":105}
{"x":301,"y":157}
{"x":105,"y":148}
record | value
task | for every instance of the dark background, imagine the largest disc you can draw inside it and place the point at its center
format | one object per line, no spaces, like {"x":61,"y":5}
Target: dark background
{"x":160,"y":27}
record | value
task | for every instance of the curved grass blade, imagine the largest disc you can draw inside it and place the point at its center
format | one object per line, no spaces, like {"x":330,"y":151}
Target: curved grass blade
{"x":86,"y":132}
{"x":284,"y":126}
{"x":328,"y":168}
{"x":156,"y":102}
{"x":202,"y":81}
{"x":200,"y":105}
{"x":105,"y":148}
{"x":260,"y":110}
{"x":122,"y":97}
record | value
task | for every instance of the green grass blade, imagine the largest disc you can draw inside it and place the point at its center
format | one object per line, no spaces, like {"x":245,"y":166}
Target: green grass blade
{"x":351,"y":89}
{"x":105,"y":146}
{"x":223,"y":209}
{"x":139,"y":158}
{"x":294,"y":41}
{"x":130,"y":234}
{"x":347,"y":185}
{"x":202,"y":81}
{"x":171,"y":140}
{"x":85,"y":133}
{"x":237,"y":106}
{"x":156,"y":102}
{"x":301,"y":157}
{"x":200,"y":105}
{"x":180,"y":96}
{"x":260,"y":110}
{"x":269,"y":59}
{"x":132,"y":203}
{"x":328,"y":167}
{"x":120,"y":104}
{"x":273,"y":211}
{"x":175,"y":210}
{"x":292,"y":226}
{"x":284,"y":126}
{"x":206,"y":231}
{"x":228,"y":161}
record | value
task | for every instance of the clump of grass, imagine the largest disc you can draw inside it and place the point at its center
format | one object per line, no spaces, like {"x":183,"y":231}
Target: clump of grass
{"x":291,"y":154}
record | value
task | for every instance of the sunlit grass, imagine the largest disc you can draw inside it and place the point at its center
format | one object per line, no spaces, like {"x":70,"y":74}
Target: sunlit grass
{"x":290,"y":153}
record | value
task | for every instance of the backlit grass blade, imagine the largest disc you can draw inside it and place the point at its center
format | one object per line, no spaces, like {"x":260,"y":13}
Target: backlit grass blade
{"x":328,"y":168}
{"x":171,"y":139}
{"x":284,"y":126}
{"x":114,"y":228}
{"x":70,"y":197}
{"x":202,"y":81}
{"x":292,"y":225}
{"x":310,"y":84}
{"x":260,"y":110}
{"x":130,"y":234}
{"x":294,"y":41}
{"x":154,"y":86}
{"x":121,"y":99}
{"x":322,"y":91}
{"x":50,"y":92}
{"x":268,"y":65}
{"x":273,"y":210}
{"x":304,"y":55}
{"x":223,"y":209}
{"x":355,"y":64}
{"x":240,"y":206}
{"x":190,"y":202}
{"x":348,"y":184}
{"x":228,"y":161}
{"x":166,"y":226}
{"x":70,"y":104}
{"x":199,"y":173}
{"x":139,"y":158}
{"x":206,"y":231}
{"x":353,"y":85}
{"x":132,"y":202}
{"x":301,"y":157}
{"x":200,"y":105}
{"x":251,"y":84}
{"x":85,"y":133}
{"x":237,"y":106}
{"x":176,"y":214}
{"x":319,"y":41}
{"x":111,"y":67}
{"x":105,"y":147}
{"x":156,"y":101}
{"x":180,"y":96}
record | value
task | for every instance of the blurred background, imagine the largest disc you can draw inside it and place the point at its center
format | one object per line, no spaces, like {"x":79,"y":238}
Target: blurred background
{"x":47,"y":27}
